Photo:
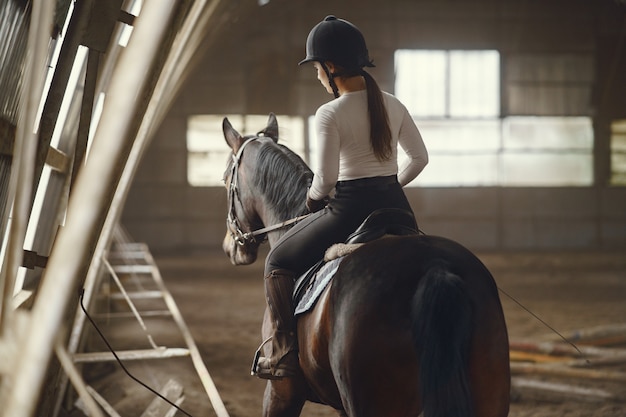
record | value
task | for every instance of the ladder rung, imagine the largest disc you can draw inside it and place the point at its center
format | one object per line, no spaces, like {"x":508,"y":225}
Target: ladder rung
{"x":133,"y":269}
{"x":137,"y":295}
{"x":122,"y":255}
{"x":130,"y":355}
{"x":132,"y":245}
{"x":124,"y":315}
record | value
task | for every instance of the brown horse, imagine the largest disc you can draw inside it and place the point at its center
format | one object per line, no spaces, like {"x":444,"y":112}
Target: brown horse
{"x":408,"y":324}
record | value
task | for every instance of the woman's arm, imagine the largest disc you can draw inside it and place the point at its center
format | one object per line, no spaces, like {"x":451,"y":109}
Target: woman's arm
{"x":327,"y":172}
{"x":411,"y":142}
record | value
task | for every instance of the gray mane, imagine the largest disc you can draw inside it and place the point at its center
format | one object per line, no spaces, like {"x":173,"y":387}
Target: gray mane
{"x":283,"y":178}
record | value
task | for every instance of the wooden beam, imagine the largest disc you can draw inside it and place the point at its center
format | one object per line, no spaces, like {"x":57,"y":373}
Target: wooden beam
{"x":88,"y":205}
{"x":7,"y":137}
{"x":86,"y":111}
{"x":108,"y":408}
{"x":172,"y":390}
{"x":126,"y":18}
{"x":32,"y":259}
{"x":77,"y":380}
{"x":58,"y":160}
{"x":102,"y":21}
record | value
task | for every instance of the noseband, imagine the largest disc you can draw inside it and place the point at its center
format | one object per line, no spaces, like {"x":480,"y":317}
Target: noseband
{"x":232,"y":222}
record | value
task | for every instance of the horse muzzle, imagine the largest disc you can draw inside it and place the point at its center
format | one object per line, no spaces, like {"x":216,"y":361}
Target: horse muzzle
{"x":238,"y":253}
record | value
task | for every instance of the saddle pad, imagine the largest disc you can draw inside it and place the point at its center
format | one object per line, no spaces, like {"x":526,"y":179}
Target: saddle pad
{"x":317,"y":285}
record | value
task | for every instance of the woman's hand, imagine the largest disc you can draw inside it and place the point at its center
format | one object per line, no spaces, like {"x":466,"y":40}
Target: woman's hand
{"x":315,"y":205}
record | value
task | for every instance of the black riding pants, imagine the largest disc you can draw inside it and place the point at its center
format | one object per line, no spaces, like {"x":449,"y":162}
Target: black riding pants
{"x":302,"y":246}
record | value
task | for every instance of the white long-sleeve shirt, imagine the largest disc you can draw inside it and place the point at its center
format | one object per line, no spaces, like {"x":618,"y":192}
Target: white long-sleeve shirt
{"x":344,"y":149}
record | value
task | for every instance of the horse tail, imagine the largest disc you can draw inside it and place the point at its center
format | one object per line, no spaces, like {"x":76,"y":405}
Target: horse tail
{"x":441,"y":314}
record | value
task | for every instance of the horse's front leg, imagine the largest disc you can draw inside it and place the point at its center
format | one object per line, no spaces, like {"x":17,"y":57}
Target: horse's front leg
{"x":283,"y":398}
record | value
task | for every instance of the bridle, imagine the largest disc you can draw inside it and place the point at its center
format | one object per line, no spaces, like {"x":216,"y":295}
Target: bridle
{"x":232,"y":222}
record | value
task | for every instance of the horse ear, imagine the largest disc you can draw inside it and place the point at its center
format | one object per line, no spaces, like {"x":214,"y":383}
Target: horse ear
{"x":271,"y":130}
{"x":233,"y":138}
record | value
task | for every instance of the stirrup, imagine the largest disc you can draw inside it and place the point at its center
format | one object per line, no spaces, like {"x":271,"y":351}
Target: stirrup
{"x":257,"y":355}
{"x":270,"y":372}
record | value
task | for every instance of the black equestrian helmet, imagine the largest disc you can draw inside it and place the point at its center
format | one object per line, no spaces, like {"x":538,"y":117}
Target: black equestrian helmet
{"x":338,"y":41}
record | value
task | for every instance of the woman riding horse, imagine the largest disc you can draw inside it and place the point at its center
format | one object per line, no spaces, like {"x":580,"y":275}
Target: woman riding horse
{"x":408,"y":323}
{"x":357,"y":133}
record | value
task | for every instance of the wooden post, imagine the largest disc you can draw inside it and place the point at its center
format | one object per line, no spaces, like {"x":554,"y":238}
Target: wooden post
{"x":23,"y":167}
{"x":87,"y":209}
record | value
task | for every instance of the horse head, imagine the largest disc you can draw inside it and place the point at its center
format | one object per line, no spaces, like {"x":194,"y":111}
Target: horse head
{"x":243,"y":215}
{"x":266,"y":186}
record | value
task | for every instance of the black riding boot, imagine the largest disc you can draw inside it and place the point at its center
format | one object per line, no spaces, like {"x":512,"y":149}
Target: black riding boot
{"x":284,"y":359}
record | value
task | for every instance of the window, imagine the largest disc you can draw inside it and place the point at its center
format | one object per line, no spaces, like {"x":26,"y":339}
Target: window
{"x":618,"y":152}
{"x":463,"y":84}
{"x":454,"y":96}
{"x":207,"y":151}
{"x":546,"y":151}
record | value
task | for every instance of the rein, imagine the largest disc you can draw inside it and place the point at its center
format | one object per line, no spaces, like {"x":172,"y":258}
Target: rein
{"x":232,"y":222}
{"x":250,"y":235}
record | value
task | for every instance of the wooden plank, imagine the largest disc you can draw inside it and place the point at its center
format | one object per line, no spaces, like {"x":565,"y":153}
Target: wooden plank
{"x":564,"y":391}
{"x":172,"y":412}
{"x":131,"y":355}
{"x":566,"y":372}
{"x":172,"y":390}
{"x":613,"y":340}
{"x":564,"y":349}
{"x":102,"y":402}
{"x":520,"y":356}
{"x":607,"y":360}
{"x":591,"y":335}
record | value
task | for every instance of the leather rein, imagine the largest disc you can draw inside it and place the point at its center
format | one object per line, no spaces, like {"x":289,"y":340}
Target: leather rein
{"x":232,"y":222}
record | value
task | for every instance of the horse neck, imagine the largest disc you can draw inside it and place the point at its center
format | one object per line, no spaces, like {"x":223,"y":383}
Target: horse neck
{"x":275,"y":215}
{"x":276,"y":206}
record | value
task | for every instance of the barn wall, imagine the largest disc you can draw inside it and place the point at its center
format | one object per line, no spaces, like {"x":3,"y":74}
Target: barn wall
{"x":252,"y":69}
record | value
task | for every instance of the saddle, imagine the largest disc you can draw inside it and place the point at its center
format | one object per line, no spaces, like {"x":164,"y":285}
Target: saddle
{"x":384,"y":222}
{"x":380,"y":223}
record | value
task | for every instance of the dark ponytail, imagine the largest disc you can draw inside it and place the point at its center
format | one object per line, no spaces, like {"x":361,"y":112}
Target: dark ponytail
{"x":380,"y":132}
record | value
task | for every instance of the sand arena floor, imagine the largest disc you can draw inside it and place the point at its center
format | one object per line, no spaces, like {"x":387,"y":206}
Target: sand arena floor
{"x":223,"y":305}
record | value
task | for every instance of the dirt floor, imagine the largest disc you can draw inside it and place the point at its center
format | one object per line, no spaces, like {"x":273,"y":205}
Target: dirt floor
{"x":223,"y":304}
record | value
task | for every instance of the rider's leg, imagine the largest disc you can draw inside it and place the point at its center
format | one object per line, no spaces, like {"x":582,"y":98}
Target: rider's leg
{"x":296,"y":251}
{"x":283,"y":361}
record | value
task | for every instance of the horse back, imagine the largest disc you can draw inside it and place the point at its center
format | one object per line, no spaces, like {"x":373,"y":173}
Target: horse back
{"x":359,"y":348}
